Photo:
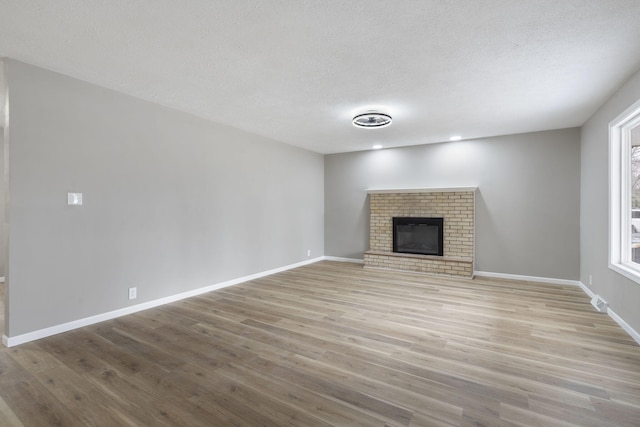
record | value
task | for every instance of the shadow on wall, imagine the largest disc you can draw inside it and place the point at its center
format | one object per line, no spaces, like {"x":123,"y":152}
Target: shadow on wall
{"x":3,"y":111}
{"x":486,"y":228}
{"x":3,"y":225}
{"x":365,"y":218}
{"x":2,"y":292}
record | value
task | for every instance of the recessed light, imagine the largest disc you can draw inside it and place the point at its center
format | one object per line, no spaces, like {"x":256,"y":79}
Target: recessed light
{"x":455,"y":138}
{"x":377,"y":147}
{"x":372,"y":120}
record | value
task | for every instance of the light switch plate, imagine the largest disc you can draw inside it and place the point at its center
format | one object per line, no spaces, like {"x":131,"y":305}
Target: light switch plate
{"x":74,"y":199}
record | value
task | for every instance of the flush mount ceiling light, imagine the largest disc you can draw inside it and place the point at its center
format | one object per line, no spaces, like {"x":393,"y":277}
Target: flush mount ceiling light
{"x":372,"y":120}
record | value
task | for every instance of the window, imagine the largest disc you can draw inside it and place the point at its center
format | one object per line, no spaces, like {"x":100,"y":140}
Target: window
{"x":624,"y":203}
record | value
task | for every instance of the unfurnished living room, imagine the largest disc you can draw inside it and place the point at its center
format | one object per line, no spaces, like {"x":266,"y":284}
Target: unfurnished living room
{"x":320,"y":213}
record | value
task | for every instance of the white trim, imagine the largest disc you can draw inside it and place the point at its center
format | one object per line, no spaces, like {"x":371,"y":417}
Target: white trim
{"x":620,"y":192}
{"x":619,"y":320}
{"x":43,"y":333}
{"x":340,"y":259}
{"x":624,"y":325}
{"x":75,"y":324}
{"x":527,"y":278}
{"x":625,"y":270}
{"x":586,"y":290}
{"x":420,"y":190}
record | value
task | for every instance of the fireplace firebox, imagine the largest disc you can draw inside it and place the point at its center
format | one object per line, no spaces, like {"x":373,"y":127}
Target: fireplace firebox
{"x":415,"y":235}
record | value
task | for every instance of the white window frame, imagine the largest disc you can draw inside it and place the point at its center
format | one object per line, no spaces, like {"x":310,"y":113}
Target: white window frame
{"x":620,"y":193}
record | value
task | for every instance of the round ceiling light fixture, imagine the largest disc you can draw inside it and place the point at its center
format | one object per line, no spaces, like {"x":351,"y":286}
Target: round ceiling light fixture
{"x":372,"y":120}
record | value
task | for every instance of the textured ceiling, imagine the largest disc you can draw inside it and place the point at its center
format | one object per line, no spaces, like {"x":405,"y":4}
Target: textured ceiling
{"x":298,"y":70}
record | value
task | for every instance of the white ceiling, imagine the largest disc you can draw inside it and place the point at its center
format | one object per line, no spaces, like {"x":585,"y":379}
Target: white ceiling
{"x":297,"y":71}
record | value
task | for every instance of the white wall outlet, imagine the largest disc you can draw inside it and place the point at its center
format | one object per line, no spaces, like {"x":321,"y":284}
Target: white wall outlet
{"x":308,"y":252}
{"x":590,"y":280}
{"x":74,"y":199}
{"x":133,"y":293}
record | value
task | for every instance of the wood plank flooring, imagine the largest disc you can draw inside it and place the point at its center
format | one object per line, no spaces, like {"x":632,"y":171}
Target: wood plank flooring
{"x":333,"y":344}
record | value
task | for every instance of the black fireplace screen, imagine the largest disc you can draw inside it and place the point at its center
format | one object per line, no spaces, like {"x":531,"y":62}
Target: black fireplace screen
{"x":418,"y":235}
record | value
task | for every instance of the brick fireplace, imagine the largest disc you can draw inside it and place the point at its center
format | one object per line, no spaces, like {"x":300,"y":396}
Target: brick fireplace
{"x":455,"y":205}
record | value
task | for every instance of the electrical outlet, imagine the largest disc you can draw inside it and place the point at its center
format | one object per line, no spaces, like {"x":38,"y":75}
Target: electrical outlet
{"x":74,"y":199}
{"x":308,"y":252}
{"x":133,"y":293}
{"x":590,"y":280}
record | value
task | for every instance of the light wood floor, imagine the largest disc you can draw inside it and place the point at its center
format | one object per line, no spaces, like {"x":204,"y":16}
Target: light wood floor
{"x":333,"y":344}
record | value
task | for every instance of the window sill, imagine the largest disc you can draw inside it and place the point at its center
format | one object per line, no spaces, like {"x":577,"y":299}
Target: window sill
{"x":626,"y":271}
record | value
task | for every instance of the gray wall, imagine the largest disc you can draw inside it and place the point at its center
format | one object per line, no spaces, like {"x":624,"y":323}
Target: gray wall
{"x":2,"y":205}
{"x":171,"y":202}
{"x":527,"y":207}
{"x":622,"y":294}
{"x":2,"y":183}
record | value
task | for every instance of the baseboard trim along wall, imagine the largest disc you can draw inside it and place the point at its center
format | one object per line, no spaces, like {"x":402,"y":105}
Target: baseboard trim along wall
{"x":65,"y":327}
{"x":46,"y":332}
{"x":586,"y":290}
{"x":619,"y":320}
{"x":624,"y":325}
{"x":527,"y":278}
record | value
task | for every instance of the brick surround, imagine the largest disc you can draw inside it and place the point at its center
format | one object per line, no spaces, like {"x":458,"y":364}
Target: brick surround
{"x":455,"y":205}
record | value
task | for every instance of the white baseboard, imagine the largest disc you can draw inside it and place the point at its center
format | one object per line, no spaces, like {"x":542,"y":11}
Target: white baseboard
{"x":75,"y":324}
{"x":624,"y":325}
{"x":619,"y":320}
{"x":586,"y":290}
{"x":340,"y":259}
{"x":550,"y":280}
{"x":65,"y":327}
